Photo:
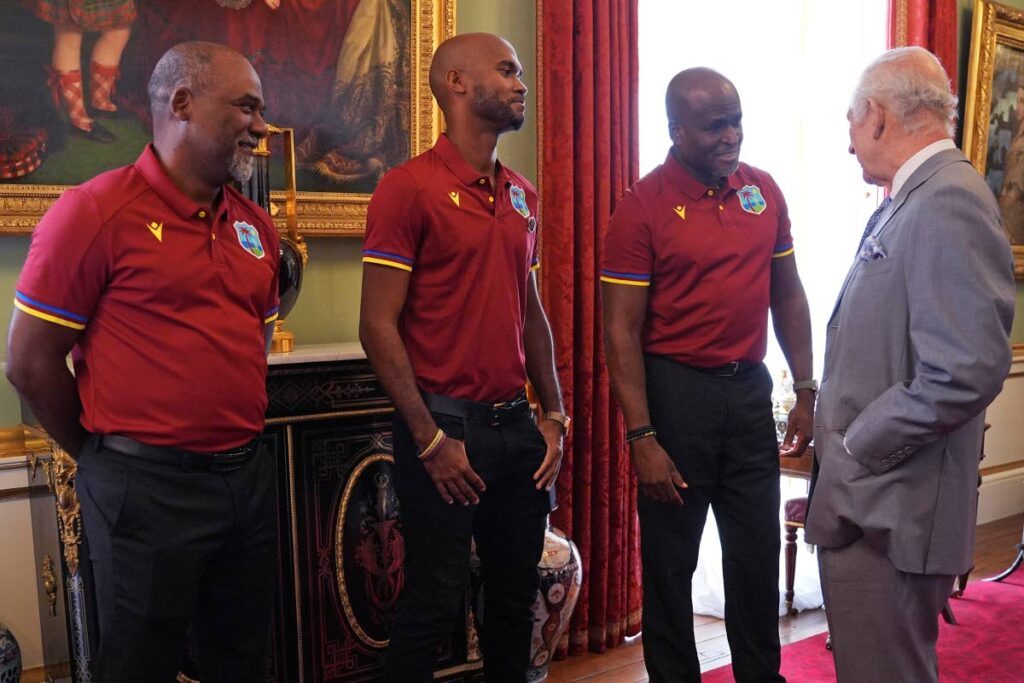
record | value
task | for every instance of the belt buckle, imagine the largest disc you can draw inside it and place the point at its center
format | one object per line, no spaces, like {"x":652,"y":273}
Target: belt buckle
{"x":499,"y":411}
{"x":734,"y":367}
{"x":228,"y":461}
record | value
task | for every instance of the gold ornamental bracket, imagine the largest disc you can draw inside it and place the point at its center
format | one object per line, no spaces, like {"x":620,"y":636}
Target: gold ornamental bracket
{"x":49,"y":578}
{"x":59,"y":471}
{"x":292,"y":244}
{"x":60,"y":474}
{"x":291,"y":192}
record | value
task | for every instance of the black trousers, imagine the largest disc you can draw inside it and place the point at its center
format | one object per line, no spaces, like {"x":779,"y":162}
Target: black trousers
{"x":172,"y":547}
{"x":508,"y":525}
{"x":720,"y":434}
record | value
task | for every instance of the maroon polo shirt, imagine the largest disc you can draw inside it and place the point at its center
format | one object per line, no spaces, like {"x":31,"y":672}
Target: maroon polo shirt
{"x":706,"y":255}
{"x":470,"y":250}
{"x":171,"y":297}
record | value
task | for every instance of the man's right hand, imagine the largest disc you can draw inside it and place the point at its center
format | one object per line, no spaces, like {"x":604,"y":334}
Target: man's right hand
{"x":452,"y":474}
{"x":656,"y":473}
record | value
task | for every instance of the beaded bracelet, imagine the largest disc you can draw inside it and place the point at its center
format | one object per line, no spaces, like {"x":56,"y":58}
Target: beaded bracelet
{"x":640,"y":433}
{"x":434,"y":446}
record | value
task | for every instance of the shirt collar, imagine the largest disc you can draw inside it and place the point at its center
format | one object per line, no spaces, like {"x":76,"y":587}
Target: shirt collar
{"x":914,"y":163}
{"x":152,"y":171}
{"x":692,"y":187}
{"x":455,"y":162}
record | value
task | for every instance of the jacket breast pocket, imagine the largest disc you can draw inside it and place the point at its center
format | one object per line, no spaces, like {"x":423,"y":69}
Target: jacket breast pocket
{"x":875,"y":268}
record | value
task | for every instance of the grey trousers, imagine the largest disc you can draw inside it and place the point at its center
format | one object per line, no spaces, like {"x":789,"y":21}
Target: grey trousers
{"x":884,"y":622}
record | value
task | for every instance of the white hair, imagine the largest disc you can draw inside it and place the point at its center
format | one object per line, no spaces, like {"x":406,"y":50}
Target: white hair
{"x":911,"y":82}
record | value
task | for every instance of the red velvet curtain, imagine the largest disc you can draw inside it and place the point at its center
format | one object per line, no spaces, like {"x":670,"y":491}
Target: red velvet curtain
{"x":932,"y":24}
{"x":588,"y":149}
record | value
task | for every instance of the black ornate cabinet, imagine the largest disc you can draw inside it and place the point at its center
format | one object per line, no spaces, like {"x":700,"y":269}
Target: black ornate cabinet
{"x":340,"y":559}
{"x":329,"y":425}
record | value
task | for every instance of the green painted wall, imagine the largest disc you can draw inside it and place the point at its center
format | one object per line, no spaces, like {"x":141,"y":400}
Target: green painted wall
{"x":516,"y":23}
{"x":12,"y":255}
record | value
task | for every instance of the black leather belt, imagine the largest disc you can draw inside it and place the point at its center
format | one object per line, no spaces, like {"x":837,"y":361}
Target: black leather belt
{"x":728,"y":370}
{"x":225,"y":461}
{"x":488,"y":413}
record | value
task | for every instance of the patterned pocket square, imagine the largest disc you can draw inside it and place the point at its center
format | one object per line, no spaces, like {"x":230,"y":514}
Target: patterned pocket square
{"x":872,"y":249}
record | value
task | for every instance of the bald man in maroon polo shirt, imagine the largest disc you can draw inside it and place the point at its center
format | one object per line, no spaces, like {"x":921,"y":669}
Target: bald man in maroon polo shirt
{"x":453,"y":325}
{"x":161,"y":281}
{"x":697,"y":253}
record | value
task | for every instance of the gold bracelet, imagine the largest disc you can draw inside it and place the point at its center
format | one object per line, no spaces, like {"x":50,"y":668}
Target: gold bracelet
{"x":434,"y":446}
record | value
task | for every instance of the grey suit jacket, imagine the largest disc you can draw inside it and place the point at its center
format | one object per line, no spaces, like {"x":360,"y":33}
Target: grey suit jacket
{"x":916,"y":349}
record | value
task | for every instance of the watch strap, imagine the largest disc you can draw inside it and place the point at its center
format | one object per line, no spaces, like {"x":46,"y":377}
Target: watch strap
{"x":811,"y":384}
{"x":560,"y":418}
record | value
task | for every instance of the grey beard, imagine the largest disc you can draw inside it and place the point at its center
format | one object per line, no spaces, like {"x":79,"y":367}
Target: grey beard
{"x":242,"y":166}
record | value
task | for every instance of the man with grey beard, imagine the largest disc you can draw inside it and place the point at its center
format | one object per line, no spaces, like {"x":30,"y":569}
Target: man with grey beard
{"x":161,"y":281}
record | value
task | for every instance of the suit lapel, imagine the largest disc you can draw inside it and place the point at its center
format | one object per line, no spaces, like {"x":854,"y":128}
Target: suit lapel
{"x":929,"y":168}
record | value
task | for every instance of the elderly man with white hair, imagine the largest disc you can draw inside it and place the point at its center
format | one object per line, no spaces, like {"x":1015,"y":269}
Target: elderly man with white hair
{"x":916,"y":349}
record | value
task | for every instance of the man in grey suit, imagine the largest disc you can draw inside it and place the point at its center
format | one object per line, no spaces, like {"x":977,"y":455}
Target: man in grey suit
{"x":917,"y":348}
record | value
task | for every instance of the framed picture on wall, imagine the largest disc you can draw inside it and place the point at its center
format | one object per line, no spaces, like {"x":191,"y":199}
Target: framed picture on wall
{"x":994,"y":113}
{"x":349,"y":76}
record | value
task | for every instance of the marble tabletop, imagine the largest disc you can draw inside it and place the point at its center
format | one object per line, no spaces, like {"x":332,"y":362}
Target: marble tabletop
{"x":318,"y":353}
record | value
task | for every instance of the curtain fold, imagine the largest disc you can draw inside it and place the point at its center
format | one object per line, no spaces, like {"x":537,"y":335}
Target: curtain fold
{"x":588,"y":156}
{"x":932,"y":24}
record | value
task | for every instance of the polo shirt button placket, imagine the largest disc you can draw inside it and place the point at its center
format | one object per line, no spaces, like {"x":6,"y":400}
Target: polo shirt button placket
{"x":213,"y":235}
{"x":207,"y":221}
{"x":721,"y":207}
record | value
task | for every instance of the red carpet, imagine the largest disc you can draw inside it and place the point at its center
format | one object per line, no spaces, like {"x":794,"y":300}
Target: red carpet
{"x":987,"y":645}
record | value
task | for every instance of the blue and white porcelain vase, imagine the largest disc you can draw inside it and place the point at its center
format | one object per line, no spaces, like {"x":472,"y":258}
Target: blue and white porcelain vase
{"x":561,"y":575}
{"x":10,"y":657}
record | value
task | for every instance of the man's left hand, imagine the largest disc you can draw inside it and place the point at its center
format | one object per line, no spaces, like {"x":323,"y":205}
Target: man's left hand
{"x":553,"y":434}
{"x":799,"y":428}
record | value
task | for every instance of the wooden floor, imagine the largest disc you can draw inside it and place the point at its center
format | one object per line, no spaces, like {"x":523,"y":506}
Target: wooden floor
{"x":994,"y":550}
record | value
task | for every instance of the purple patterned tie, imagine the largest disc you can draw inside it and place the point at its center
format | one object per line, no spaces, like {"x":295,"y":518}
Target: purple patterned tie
{"x":873,"y":221}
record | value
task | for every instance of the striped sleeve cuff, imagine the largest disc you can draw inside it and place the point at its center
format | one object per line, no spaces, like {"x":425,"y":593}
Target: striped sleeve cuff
{"x":783,"y":250}
{"x":271,"y":315}
{"x":49,"y":313}
{"x":383,"y":258}
{"x":635,"y":279}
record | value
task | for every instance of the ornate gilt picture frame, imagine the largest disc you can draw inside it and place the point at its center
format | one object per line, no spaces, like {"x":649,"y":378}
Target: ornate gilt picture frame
{"x":356,"y":115}
{"x":993,"y":133}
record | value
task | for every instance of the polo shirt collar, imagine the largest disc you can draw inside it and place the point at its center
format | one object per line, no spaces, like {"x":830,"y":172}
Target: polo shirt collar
{"x":453,"y":159}
{"x":692,"y":187}
{"x":152,"y":171}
